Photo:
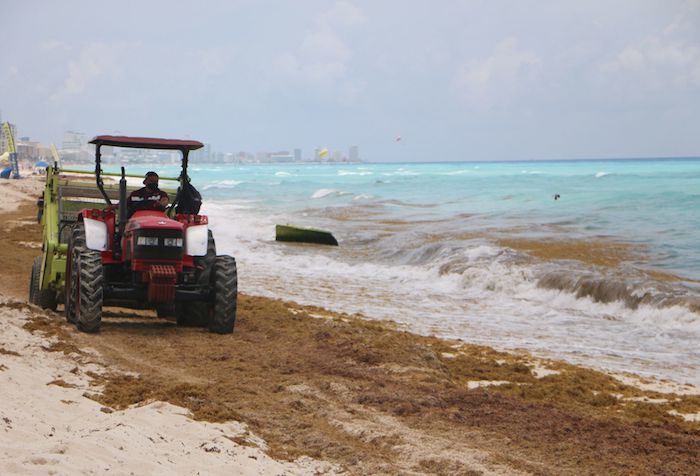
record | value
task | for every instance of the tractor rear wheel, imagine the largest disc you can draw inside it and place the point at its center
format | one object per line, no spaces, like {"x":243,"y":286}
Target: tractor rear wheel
{"x":44,"y":298}
{"x":76,"y":245}
{"x":225,"y":295}
{"x":88,"y":311}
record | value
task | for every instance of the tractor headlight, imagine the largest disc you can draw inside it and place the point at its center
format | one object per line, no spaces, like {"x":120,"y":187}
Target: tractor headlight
{"x":196,"y":240}
{"x":147,"y":241}
{"x":95,"y":234}
{"x":172,"y":242}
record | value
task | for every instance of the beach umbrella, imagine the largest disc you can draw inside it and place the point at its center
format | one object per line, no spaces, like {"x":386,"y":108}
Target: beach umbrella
{"x":41,"y":164}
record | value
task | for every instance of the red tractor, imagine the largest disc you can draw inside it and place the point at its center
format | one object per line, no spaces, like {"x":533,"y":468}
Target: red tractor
{"x":162,"y":259}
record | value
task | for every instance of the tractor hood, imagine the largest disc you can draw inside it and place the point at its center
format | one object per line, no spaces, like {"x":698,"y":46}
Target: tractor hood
{"x":151,"y":219}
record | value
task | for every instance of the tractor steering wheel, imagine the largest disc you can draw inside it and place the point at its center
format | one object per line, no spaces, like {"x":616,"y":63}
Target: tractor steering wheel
{"x":170,"y":211}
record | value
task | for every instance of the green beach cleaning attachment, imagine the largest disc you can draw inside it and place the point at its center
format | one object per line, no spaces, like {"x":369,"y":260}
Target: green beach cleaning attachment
{"x":304,"y":235}
{"x":66,"y":193}
{"x":48,"y":270}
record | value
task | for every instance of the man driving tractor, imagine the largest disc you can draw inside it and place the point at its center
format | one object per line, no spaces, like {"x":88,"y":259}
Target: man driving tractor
{"x":149,"y":197}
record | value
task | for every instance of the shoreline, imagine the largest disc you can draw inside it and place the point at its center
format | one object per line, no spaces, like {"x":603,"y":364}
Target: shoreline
{"x":366,"y":396}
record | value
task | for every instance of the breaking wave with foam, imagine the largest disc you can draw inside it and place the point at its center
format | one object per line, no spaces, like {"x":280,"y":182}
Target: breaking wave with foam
{"x":222,"y":184}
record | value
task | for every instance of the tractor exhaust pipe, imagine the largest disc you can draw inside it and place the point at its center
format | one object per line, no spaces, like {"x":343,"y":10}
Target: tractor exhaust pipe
{"x":122,"y":216}
{"x":122,"y":199}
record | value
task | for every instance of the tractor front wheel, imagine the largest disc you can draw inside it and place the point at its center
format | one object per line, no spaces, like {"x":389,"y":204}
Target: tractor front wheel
{"x":45,"y":298}
{"x":88,"y":309}
{"x":225,"y":295}
{"x":76,"y":245}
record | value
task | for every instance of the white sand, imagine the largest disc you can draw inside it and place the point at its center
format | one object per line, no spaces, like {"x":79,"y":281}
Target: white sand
{"x":48,"y":429}
{"x":14,"y":191}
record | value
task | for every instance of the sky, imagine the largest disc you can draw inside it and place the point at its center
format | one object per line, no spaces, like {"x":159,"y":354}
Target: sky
{"x":455,"y":80}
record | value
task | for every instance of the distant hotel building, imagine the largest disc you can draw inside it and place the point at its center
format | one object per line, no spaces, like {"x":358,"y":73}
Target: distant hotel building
{"x":354,"y":155}
{"x":281,"y":156}
{"x":73,"y":140}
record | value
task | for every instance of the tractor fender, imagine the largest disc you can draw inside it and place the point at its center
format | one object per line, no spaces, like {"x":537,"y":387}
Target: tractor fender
{"x":96,"y":235}
{"x":196,"y":240}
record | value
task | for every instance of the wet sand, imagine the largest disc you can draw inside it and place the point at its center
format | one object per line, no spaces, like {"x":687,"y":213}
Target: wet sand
{"x":367,"y":397}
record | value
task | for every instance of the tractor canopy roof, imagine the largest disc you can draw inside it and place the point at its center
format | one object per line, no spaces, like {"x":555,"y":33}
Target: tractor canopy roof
{"x":147,"y":143}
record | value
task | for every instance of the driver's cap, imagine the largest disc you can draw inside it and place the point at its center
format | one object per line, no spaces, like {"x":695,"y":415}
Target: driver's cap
{"x":149,"y":174}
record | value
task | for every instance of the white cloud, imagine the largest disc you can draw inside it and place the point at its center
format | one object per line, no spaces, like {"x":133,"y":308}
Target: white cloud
{"x":657,"y":60}
{"x":686,"y":20}
{"x":629,"y":58}
{"x":95,"y":60}
{"x":667,"y":57}
{"x":498,"y":78}
{"x":213,"y":61}
{"x":53,"y":44}
{"x":341,"y":14}
{"x":322,"y":58}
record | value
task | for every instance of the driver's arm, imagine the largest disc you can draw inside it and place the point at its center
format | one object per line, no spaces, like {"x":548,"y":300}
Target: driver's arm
{"x":162,"y":203}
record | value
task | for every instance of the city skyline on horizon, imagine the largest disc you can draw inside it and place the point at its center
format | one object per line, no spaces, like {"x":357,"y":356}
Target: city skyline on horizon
{"x":294,"y":155}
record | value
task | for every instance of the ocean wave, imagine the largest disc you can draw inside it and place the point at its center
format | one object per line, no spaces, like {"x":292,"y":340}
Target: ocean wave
{"x":441,"y":257}
{"x":401,"y":203}
{"x":223,"y":184}
{"x":325,"y":192}
{"x":282,"y":174}
{"x":601,"y":174}
{"x":349,"y":172}
{"x":490,"y":268}
{"x":633,"y":294}
{"x":402,"y":172}
{"x":458,"y":172}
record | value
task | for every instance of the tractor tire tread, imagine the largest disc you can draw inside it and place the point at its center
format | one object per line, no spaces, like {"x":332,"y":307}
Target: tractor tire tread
{"x":225,"y":284}
{"x":89,"y":316}
{"x":76,"y":244}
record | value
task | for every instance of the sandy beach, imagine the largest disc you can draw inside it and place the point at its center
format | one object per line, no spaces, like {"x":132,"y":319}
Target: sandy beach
{"x":303,"y":390}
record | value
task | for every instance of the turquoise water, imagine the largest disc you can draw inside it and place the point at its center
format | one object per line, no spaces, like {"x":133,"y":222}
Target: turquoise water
{"x":419,"y":245}
{"x":651,"y":202}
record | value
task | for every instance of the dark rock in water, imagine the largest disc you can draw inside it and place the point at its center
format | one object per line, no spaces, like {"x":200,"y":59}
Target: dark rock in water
{"x":304,"y":235}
